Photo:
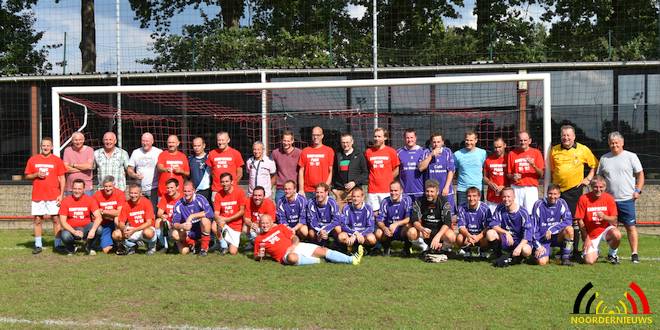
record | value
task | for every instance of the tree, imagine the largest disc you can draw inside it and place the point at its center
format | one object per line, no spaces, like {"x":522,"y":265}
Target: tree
{"x":159,"y":12}
{"x":18,"y":40}
{"x":88,"y":36}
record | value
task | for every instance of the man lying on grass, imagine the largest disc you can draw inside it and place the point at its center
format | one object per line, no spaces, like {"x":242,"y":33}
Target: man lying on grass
{"x":283,"y":245}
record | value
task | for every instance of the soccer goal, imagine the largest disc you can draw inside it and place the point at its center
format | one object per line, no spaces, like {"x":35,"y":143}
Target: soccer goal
{"x":492,"y":105}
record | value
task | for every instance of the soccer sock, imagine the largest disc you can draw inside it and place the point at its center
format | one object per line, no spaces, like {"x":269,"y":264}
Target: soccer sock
{"x":338,"y":257}
{"x":568,"y":248}
{"x":495,"y":246}
{"x":304,"y":260}
{"x":37,"y":242}
{"x":576,"y":239}
{"x":206,"y":239}
{"x":223,"y":244}
{"x":613,"y":252}
{"x":190,"y":242}
{"x":420,"y":244}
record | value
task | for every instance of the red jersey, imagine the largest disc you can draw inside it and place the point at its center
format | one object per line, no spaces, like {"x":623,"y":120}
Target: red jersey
{"x":137,"y":214}
{"x":517,"y":163}
{"x":112,"y":202}
{"x":587,"y":207}
{"x":276,"y":242}
{"x":225,"y":161}
{"x":173,"y":161}
{"x":254,"y":212}
{"x":317,"y":163}
{"x":381,"y":163}
{"x":229,"y":204}
{"x":495,"y":171}
{"x":48,"y":188}
{"x":167,"y":205}
{"x":78,"y":213}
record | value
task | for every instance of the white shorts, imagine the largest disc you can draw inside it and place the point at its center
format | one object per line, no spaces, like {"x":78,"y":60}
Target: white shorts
{"x":137,"y":236}
{"x":492,"y":206}
{"x":232,"y":236}
{"x":526,"y":196}
{"x":303,"y":249}
{"x":374,"y":199}
{"x":41,"y":208}
{"x":596,"y":241}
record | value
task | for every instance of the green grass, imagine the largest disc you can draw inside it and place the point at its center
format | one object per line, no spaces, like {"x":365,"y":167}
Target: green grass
{"x":238,"y":292}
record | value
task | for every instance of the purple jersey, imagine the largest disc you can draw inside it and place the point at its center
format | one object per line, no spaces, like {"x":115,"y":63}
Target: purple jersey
{"x":391,"y":211}
{"x":411,"y":178}
{"x":552,"y":217}
{"x":358,"y":220}
{"x":183,"y":209}
{"x":475,"y":221}
{"x":440,"y":166}
{"x":292,"y":213}
{"x":517,"y":223}
{"x":325,"y":217}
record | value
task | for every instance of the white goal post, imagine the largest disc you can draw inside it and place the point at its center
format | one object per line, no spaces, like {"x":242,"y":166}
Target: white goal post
{"x":57,"y":92}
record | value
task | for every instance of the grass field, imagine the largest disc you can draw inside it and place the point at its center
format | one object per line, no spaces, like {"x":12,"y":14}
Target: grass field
{"x":51,"y":290}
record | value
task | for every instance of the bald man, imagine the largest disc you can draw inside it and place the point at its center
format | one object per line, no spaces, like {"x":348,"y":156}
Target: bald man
{"x":79,"y":162}
{"x":172,"y":164}
{"x":315,"y":165}
{"x":142,"y":167}
{"x":111,"y":160}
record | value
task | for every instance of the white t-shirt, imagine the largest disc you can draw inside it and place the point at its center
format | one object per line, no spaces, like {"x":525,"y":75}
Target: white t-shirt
{"x":145,"y":164}
{"x":259,"y":174}
{"x":619,"y":172}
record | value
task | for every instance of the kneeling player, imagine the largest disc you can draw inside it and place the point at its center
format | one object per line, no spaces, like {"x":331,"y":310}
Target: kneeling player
{"x":431,"y":218}
{"x":324,"y":216}
{"x":393,"y":218}
{"x":110,"y":201}
{"x":473,"y":220}
{"x":165,"y":211}
{"x":596,"y":214}
{"x":552,"y":221}
{"x":136,"y":221}
{"x":229,"y":211}
{"x":511,"y":230}
{"x":358,"y":223}
{"x":292,"y":210}
{"x":283,"y":245}
{"x":191,"y":221}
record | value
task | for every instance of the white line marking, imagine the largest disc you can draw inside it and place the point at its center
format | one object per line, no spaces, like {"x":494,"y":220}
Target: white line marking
{"x":100,"y":323}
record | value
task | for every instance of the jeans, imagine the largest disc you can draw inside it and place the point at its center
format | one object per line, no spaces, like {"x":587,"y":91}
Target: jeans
{"x":68,"y":239}
{"x":279,"y":193}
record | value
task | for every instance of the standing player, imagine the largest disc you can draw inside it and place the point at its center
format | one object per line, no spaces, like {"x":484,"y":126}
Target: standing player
{"x":191,"y":221}
{"x":224,"y":159}
{"x":79,"y":161}
{"x":110,"y":201}
{"x":439,"y":166}
{"x":495,"y":174}
{"x":469,"y":161}
{"x":136,"y":222}
{"x":142,"y":167}
{"x":261,"y":170}
{"x":473,"y":220}
{"x":596,"y":213}
{"x":286,"y":160}
{"x":625,"y":180}
{"x":229,"y":206}
{"x":323,"y":215}
{"x":165,"y":211}
{"x":510,"y":230}
{"x":552,"y":222}
{"x":524,"y":168}
{"x":431,"y":217}
{"x":111,"y":160}
{"x":172,"y":164}
{"x":76,"y":214}
{"x":350,"y":170}
{"x":283,"y":245}
{"x":315,"y":165}
{"x":47,"y":174}
{"x":292,"y":210}
{"x":200,"y":172}
{"x":410,"y":156}
{"x":257,"y":206}
{"x":394,"y":218}
{"x":358,"y":223}
{"x":383,"y":165}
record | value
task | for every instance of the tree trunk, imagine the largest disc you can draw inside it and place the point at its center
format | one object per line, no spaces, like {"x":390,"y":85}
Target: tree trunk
{"x":88,"y":36}
{"x":232,"y":10}
{"x":484,"y":23}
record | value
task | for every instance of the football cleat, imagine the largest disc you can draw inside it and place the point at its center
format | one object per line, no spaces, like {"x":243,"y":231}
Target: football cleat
{"x":634,"y":258}
{"x":37,"y":250}
{"x":357,"y":256}
{"x":613,"y":259}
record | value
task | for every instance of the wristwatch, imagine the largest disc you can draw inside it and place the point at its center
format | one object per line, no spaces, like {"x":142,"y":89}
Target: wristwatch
{"x":639,"y":191}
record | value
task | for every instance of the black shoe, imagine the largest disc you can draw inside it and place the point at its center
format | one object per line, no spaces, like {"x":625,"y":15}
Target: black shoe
{"x":203,"y":253}
{"x":121,"y":250}
{"x":224,"y":251}
{"x":502,"y":261}
{"x":407,"y":250}
{"x":387,"y":251}
{"x":214,"y":247}
{"x":634,"y":258}
{"x":613,"y":259}
{"x":37,"y":250}
{"x":566,"y":262}
{"x":376,"y":252}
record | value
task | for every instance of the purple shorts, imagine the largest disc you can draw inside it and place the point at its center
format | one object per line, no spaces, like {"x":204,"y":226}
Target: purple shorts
{"x":548,"y":245}
{"x":505,"y":245}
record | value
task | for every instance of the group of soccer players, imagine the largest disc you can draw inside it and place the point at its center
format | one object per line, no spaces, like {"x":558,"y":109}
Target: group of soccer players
{"x":320,"y":208}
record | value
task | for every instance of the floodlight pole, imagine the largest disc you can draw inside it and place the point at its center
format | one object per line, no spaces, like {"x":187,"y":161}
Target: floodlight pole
{"x":118,"y":55}
{"x":375,"y":58}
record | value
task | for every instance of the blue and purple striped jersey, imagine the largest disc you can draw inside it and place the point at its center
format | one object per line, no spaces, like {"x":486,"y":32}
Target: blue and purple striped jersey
{"x":358,"y":220}
{"x":323,"y":217}
{"x":183,"y":209}
{"x":474,"y":220}
{"x":411,"y":178}
{"x":517,"y":223}
{"x":391,"y":211}
{"x":552,"y":217}
{"x":440,"y":166}
{"x":292,"y":213}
